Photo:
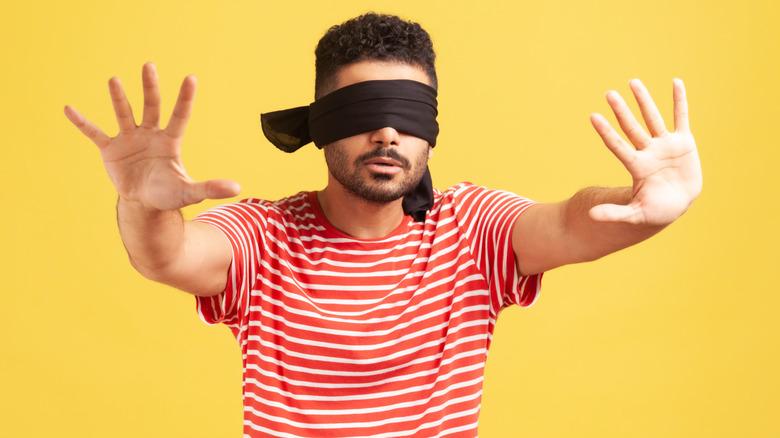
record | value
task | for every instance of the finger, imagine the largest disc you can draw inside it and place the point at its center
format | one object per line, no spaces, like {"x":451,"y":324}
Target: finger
{"x":680,"y":107}
{"x":212,"y":189}
{"x":616,"y":213}
{"x":650,"y":113}
{"x":628,"y":123}
{"x":183,"y":107}
{"x":86,"y":127}
{"x":122,"y":109}
{"x":151,"y":96}
{"x":622,"y":150}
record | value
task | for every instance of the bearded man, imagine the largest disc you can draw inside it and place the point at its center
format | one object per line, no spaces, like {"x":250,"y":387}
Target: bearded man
{"x":367,"y":308}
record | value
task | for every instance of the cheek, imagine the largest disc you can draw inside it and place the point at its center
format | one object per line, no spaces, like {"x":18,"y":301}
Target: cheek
{"x":423,"y":157}
{"x":334,"y":157}
{"x":344,"y":150}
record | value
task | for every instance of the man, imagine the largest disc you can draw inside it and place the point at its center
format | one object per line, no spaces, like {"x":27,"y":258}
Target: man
{"x":367,"y":308}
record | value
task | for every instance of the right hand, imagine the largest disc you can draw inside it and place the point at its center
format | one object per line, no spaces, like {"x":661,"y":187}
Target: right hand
{"x":144,"y":161}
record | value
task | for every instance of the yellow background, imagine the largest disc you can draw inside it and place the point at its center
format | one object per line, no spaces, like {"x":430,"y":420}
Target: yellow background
{"x":676,"y":337}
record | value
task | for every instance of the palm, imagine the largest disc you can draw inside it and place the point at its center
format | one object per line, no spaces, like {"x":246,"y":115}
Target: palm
{"x":145,"y":164}
{"x":664,"y":166}
{"x":144,"y":161}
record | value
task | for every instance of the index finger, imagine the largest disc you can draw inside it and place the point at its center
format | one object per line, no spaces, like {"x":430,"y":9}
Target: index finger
{"x":650,"y":113}
{"x":680,"y":107}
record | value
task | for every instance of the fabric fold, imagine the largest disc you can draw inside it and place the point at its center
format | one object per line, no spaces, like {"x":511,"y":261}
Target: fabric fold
{"x":288,"y":129}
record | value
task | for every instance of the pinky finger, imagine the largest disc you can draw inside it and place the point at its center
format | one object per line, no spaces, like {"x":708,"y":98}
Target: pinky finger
{"x":622,"y":150}
{"x":86,"y":127}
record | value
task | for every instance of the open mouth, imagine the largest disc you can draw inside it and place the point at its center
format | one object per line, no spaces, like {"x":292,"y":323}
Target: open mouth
{"x":384,"y":165}
{"x":384,"y":161}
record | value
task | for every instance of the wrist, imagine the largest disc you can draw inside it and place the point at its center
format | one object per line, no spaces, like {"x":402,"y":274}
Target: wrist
{"x":137,"y":207}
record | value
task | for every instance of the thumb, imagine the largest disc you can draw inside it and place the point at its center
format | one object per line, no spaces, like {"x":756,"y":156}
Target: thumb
{"x":615,"y":213}
{"x":211,"y":189}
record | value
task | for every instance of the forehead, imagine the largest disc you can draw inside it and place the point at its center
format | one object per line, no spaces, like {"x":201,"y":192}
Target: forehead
{"x":378,"y":70}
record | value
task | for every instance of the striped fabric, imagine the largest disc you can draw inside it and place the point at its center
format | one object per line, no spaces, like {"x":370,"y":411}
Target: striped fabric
{"x":344,"y":337}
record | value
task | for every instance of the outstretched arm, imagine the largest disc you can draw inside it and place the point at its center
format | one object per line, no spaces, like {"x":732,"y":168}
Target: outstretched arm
{"x":144,"y":163}
{"x":666,"y":175}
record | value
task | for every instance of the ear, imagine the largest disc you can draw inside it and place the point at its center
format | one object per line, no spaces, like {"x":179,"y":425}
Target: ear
{"x":430,"y":152}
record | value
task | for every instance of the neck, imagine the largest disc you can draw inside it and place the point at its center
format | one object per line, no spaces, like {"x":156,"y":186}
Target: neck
{"x":356,"y":217}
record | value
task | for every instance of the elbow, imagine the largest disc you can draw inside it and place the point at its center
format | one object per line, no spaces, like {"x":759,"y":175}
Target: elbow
{"x":173,"y":275}
{"x":158,"y":273}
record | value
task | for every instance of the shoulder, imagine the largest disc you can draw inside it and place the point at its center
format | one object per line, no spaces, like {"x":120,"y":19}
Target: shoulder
{"x":465,"y":193}
{"x":451,"y":193}
{"x":453,"y":201}
{"x":295,"y":205}
{"x":467,"y":199}
{"x":290,"y":209}
{"x":296,"y":202}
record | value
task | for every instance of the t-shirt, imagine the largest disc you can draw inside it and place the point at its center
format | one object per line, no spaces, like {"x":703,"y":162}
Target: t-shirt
{"x":345,"y":337}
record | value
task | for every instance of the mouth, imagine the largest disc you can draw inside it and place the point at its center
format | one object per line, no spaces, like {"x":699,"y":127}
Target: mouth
{"x":384,"y":165}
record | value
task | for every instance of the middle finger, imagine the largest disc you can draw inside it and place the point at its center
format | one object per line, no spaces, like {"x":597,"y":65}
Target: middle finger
{"x":628,"y":123}
{"x":151,"y":116}
{"x":650,"y":113}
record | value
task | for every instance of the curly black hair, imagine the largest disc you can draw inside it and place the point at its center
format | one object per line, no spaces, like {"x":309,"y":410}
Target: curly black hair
{"x":375,"y":37}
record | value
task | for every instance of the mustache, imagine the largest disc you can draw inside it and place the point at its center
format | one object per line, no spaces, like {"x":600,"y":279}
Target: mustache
{"x":382,"y":152}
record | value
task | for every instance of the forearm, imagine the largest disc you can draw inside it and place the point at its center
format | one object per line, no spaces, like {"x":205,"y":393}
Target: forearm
{"x":588,"y":239}
{"x":162,"y":246}
{"x":547,"y":236}
{"x":154,"y":239}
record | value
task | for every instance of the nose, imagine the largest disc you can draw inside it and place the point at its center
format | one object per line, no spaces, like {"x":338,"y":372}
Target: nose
{"x":385,"y":137}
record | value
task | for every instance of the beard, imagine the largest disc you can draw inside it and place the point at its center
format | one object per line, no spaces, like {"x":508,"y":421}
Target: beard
{"x":377,"y":187}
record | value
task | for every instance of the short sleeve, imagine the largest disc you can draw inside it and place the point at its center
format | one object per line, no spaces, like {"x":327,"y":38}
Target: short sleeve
{"x":488,"y":218}
{"x":243,"y":224}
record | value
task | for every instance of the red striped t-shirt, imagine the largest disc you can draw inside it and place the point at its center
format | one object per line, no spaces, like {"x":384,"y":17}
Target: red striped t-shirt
{"x":343,"y":337}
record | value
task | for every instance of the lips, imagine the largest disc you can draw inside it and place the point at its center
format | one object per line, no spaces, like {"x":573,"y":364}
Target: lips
{"x":384,"y":161}
{"x":384,"y":165}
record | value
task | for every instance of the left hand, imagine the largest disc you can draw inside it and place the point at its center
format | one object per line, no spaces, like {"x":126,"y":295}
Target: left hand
{"x":664,"y":165}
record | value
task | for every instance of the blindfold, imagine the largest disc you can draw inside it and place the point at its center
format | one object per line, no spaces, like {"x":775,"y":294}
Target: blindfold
{"x":407,"y":106}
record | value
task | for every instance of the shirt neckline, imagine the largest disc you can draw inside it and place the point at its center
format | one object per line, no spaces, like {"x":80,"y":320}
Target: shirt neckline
{"x":320,"y":216}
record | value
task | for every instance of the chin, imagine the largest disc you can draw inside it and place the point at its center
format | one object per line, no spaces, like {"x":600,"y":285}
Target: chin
{"x":379,"y":189}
